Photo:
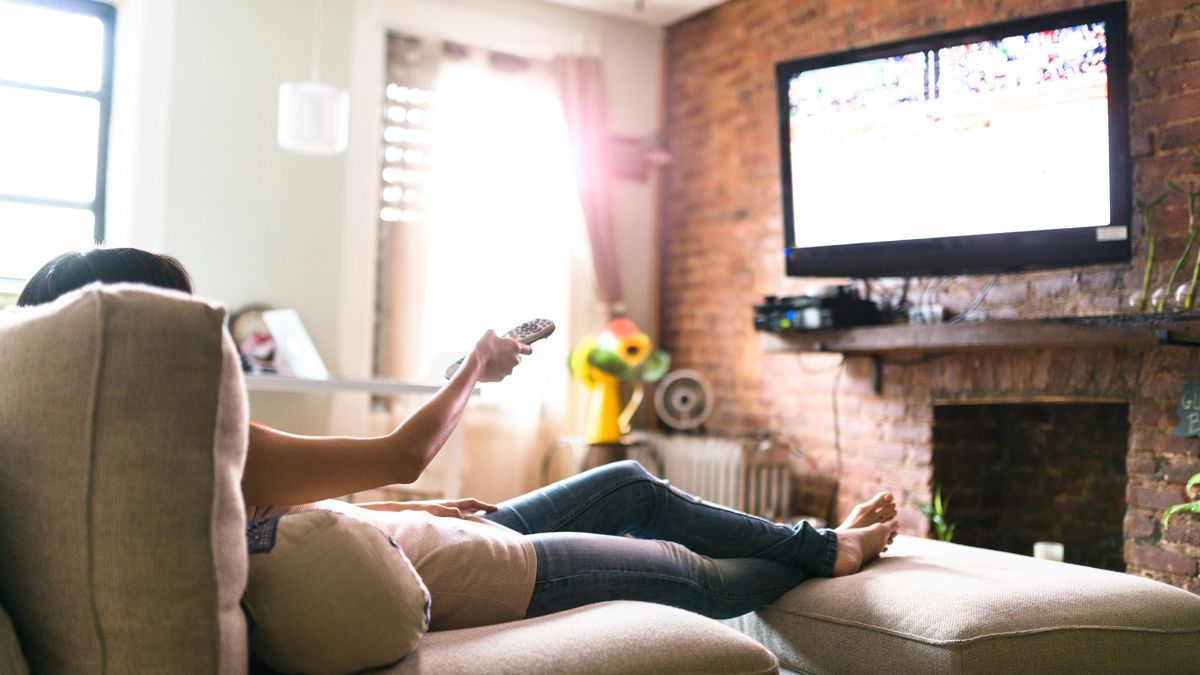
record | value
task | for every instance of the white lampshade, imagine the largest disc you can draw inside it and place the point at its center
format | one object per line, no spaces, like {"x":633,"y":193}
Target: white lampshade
{"x":314,"y":118}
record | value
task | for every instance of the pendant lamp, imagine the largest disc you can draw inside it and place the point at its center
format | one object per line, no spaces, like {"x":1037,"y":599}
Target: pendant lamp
{"x":314,"y":117}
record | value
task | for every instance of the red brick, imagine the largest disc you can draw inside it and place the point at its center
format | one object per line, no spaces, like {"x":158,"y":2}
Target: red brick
{"x":1155,"y":558}
{"x":1183,"y":528}
{"x":1141,"y":439}
{"x":914,"y":523}
{"x":1152,"y":498}
{"x":1180,"y":474}
{"x":1185,"y":445}
{"x":1150,"y":178}
{"x":1139,"y":527}
{"x":1141,"y":464}
{"x":1145,"y":34}
{"x":1171,"y":82}
{"x":906,"y":433}
{"x":1145,"y":415}
{"x":1162,"y":111}
{"x":891,"y":453}
{"x":1189,"y":20}
{"x":1158,"y":55}
{"x":1152,"y":9}
{"x":1144,"y":87}
{"x":1184,"y":135}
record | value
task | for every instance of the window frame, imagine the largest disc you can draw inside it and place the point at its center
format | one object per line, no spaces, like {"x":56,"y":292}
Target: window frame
{"x":107,"y":15}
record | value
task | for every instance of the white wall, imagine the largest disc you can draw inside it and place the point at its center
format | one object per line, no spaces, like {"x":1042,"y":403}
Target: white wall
{"x":255,"y":223}
{"x":197,"y":173}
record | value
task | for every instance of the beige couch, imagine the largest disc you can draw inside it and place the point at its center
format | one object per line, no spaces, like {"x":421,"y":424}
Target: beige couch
{"x":122,"y":435}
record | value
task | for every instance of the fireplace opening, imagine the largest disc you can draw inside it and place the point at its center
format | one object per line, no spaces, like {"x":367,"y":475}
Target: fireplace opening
{"x":1017,"y":474}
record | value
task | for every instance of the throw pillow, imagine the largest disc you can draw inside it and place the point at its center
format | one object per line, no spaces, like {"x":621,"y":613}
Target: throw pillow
{"x":330,"y":594}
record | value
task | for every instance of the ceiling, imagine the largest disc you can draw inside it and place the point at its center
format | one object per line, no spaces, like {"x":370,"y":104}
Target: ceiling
{"x":652,"y":12}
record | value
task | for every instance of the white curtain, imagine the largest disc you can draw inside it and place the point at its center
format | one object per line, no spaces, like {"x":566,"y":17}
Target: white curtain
{"x":503,"y":242}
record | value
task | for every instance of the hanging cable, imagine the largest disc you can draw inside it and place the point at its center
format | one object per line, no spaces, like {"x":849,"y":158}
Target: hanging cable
{"x":831,"y":516}
{"x":978,"y":299}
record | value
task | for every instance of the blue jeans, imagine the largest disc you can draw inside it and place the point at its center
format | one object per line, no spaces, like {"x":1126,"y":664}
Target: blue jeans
{"x":682,"y":551}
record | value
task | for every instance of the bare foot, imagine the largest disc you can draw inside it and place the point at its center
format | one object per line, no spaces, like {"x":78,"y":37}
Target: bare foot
{"x":878,"y":509}
{"x":858,"y":546}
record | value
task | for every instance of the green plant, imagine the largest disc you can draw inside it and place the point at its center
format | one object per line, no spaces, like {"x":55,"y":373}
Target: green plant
{"x":1191,"y":194}
{"x":1144,"y":208}
{"x":1187,"y":507}
{"x":936,"y":513}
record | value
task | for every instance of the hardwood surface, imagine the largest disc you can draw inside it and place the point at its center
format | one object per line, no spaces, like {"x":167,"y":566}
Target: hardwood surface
{"x":1082,"y":332}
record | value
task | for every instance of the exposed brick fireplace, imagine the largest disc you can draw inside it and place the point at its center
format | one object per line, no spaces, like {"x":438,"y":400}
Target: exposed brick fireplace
{"x":1067,"y":402}
{"x":1068,"y":444}
{"x":1015,"y":474}
{"x":722,"y":237}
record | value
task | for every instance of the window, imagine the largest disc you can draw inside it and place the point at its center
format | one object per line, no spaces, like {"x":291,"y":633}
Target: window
{"x":480,"y":226}
{"x":55,"y":96}
{"x":478,"y":208}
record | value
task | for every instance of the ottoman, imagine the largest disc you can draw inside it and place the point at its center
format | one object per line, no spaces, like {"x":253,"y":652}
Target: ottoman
{"x":931,"y":607}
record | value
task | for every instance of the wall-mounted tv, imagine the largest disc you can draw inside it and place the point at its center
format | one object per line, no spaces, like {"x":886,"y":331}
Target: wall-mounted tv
{"x":994,"y":149}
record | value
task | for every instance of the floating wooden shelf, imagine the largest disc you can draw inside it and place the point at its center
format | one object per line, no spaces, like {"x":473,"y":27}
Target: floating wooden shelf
{"x":1137,"y":331}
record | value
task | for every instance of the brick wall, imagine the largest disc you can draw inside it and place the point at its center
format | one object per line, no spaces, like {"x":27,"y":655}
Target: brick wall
{"x":723,"y":234}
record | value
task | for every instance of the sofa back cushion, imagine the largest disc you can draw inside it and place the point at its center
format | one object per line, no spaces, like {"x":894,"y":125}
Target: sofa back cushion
{"x":123,"y":429}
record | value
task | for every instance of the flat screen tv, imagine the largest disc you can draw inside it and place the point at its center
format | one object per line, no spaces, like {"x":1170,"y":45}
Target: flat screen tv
{"x":994,"y":149}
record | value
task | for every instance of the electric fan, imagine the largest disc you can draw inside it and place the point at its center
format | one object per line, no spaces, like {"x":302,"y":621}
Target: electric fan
{"x":683,"y":400}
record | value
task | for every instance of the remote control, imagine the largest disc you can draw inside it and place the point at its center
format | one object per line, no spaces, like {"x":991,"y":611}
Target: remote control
{"x":527,"y":333}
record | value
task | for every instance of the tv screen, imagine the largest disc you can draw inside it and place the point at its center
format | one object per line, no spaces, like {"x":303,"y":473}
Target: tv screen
{"x":999,"y":148}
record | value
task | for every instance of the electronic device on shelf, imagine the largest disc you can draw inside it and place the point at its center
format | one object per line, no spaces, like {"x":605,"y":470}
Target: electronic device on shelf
{"x":990,"y":149}
{"x":294,"y":349}
{"x":841,"y":309}
{"x":526,"y":333}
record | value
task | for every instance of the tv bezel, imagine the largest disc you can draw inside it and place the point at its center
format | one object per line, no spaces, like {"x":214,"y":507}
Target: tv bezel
{"x":983,"y":253}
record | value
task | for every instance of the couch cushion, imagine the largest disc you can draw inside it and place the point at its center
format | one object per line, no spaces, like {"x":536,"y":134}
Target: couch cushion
{"x":609,"y":637}
{"x":933,"y":607}
{"x":330,"y":594}
{"x":122,"y":439}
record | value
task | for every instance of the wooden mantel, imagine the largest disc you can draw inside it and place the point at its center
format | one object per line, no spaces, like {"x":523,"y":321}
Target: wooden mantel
{"x":1136,"y":331}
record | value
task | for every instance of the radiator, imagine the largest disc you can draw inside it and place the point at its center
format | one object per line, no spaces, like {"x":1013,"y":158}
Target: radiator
{"x":751,"y":476}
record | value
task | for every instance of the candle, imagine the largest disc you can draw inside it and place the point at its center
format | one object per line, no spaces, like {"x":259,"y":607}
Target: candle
{"x":1048,"y":550}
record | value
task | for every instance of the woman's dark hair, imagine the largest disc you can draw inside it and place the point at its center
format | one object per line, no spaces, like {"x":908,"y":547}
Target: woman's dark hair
{"x":109,"y":265}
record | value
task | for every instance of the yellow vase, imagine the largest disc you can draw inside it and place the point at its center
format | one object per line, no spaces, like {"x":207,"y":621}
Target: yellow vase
{"x":604,"y":411}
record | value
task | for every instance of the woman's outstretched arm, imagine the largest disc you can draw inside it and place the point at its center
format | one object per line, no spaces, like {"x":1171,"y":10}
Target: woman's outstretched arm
{"x":283,"y":468}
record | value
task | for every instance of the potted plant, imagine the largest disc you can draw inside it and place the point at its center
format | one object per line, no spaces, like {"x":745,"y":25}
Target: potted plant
{"x":936,"y":513}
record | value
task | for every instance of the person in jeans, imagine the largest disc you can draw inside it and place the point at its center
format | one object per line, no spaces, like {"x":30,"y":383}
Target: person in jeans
{"x":615,"y":532}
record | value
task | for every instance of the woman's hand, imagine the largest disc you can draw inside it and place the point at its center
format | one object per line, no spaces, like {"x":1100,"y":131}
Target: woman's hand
{"x":446,"y":508}
{"x":496,"y":356}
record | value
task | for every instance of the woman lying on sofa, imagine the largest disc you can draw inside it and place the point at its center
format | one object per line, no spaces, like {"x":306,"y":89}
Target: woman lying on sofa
{"x":558,"y":547}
